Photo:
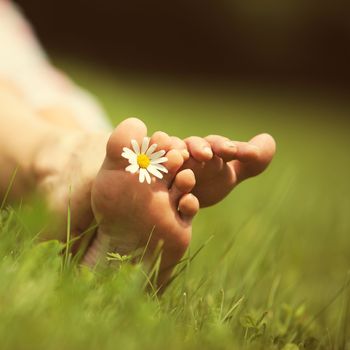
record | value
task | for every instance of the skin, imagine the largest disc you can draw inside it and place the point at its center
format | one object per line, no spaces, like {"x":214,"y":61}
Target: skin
{"x":66,"y":163}
{"x":229,"y":163}
{"x":220,"y":164}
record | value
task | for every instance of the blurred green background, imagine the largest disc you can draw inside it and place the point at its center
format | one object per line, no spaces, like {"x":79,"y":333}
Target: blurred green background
{"x":280,"y":241}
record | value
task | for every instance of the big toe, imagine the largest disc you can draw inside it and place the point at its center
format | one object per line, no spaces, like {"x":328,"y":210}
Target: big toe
{"x":267,"y":145}
{"x":266,"y":148}
{"x":127,"y":130}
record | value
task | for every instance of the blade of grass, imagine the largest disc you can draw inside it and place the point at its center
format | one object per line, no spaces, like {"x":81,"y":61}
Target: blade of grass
{"x":190,"y":259}
{"x":330,"y":302}
{"x":12,"y":180}
{"x":68,"y":232}
{"x":146,"y":246}
{"x":233,"y":308}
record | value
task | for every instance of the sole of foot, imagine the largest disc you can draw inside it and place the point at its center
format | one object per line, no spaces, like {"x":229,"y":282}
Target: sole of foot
{"x":131,"y":214}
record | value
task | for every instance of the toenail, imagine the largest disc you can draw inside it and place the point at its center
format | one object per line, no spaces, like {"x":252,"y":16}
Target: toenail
{"x":231,"y":144}
{"x":208,"y":151}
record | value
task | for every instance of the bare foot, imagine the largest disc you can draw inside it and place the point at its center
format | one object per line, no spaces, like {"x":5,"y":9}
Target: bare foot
{"x":127,"y":211}
{"x":219,"y":164}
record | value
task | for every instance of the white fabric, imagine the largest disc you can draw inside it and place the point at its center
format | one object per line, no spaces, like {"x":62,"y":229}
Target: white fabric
{"x":24,"y":63}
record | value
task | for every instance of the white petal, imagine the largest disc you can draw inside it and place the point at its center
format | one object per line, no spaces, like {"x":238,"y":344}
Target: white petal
{"x":160,"y":167}
{"x":152,"y":169}
{"x":145,"y":144}
{"x":142,"y":175}
{"x":159,"y":160}
{"x":128,"y":151}
{"x":148,"y":178}
{"x":135,"y":146}
{"x":132,"y":168}
{"x":131,"y":158}
{"x":157,"y":154}
{"x":151,"y":149}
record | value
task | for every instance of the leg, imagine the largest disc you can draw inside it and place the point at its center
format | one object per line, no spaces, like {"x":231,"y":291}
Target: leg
{"x":55,"y":160}
{"x":59,"y":151}
{"x":47,"y":158}
{"x":22,"y":135}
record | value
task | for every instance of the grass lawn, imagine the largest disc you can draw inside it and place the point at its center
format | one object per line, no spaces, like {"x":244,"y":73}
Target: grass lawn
{"x":273,"y":267}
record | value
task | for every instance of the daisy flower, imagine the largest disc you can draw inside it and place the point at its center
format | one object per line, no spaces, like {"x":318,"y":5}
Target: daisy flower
{"x":145,"y":160}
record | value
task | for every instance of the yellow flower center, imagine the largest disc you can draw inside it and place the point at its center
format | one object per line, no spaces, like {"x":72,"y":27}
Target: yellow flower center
{"x":143,"y":161}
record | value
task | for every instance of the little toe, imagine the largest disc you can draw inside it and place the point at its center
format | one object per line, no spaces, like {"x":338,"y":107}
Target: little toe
{"x":223,"y":147}
{"x":128,"y":130}
{"x":199,"y":148}
{"x":162,"y":140}
{"x":173,"y":164}
{"x":188,"y":206}
{"x":183,"y":183}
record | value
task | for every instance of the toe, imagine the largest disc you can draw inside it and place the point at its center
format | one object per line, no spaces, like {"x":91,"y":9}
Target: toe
{"x":127,"y":130}
{"x":174,"y":163}
{"x":177,"y":143}
{"x":183,"y":183}
{"x":188,"y":206}
{"x":162,"y":140}
{"x":199,"y":148}
{"x":222,"y":147}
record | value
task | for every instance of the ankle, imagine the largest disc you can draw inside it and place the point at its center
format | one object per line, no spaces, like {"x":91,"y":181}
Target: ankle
{"x":66,"y":164}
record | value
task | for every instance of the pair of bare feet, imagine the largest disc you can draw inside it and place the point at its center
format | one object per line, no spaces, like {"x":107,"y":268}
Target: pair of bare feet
{"x":201,"y":172}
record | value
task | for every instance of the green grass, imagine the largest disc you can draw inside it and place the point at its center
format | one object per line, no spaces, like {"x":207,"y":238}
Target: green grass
{"x":274,"y":273}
